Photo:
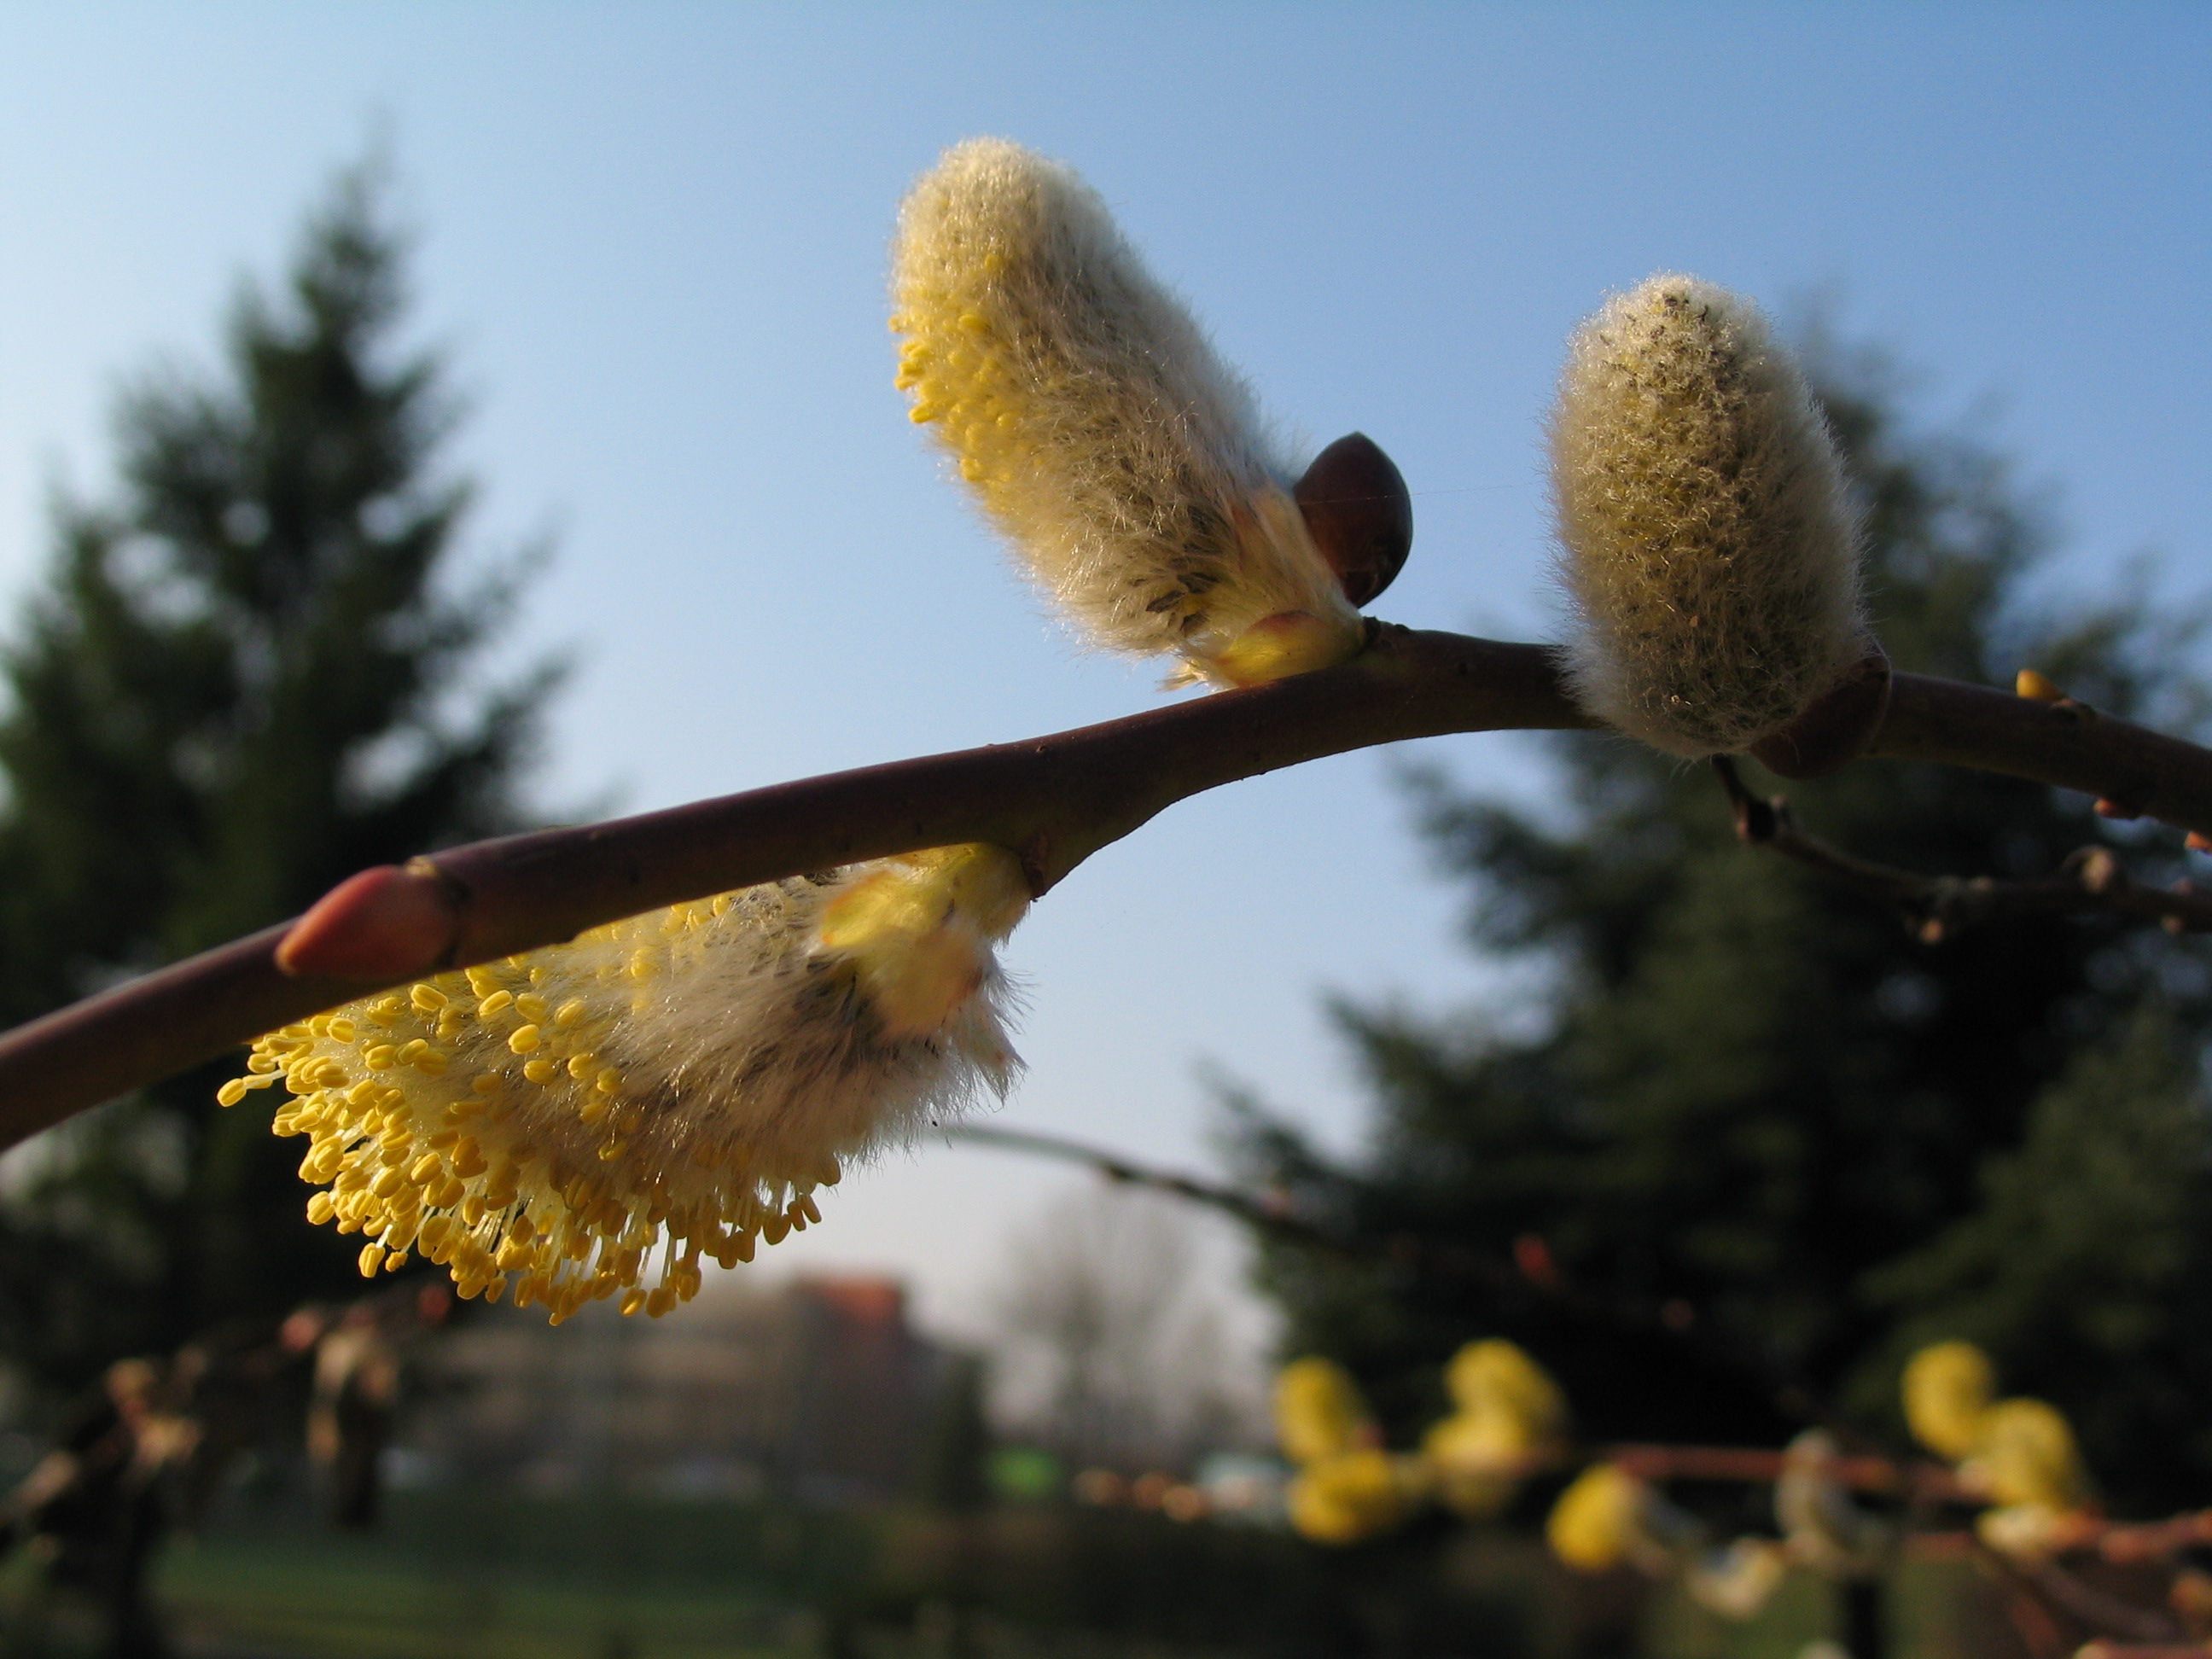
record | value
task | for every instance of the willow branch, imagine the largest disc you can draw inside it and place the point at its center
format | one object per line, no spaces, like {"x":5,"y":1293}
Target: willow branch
{"x":1054,"y":800}
{"x":2091,"y":881}
{"x":1760,"y":1466}
{"x":1528,"y":1277}
{"x":2127,"y":1542}
{"x":1266,"y":1213}
{"x":1260,"y":1211}
{"x":2104,"y":1612}
{"x":1916,"y":1479}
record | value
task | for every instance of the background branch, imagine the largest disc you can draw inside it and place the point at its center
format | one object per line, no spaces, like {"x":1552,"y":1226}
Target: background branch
{"x":2090,"y":881}
{"x":1054,"y":800}
{"x":1529,"y":1276}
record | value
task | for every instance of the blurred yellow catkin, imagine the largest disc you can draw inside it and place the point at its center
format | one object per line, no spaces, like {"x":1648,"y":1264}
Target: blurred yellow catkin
{"x":1509,"y":1415}
{"x":1597,"y":1522}
{"x":1354,"y":1496}
{"x":2019,"y":1456}
{"x":1347,"y":1488}
{"x":1319,"y":1412}
{"x":1948,"y":1388}
{"x":2025,"y":1454}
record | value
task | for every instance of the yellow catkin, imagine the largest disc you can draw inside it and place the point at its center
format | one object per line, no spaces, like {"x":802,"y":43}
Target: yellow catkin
{"x":688,"y":1079}
{"x":1498,"y":1377}
{"x":1510,"y":1416}
{"x":1319,"y":1413}
{"x":1710,"y":549}
{"x":2024,"y":1455}
{"x":1125,"y":466}
{"x":1598,"y":1522}
{"x":1948,"y":1388}
{"x":1352,"y":1497}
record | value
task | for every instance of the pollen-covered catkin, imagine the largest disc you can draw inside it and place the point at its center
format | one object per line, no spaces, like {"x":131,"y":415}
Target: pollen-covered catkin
{"x":1509,"y":1415}
{"x":592,"y":1119}
{"x":1125,"y":466}
{"x":1347,"y":1488}
{"x":1711,"y":549}
{"x":1947,"y":1390}
{"x":1598,"y":1522}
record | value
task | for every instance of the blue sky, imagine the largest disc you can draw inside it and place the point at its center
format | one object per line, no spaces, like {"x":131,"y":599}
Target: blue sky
{"x":653,"y":238}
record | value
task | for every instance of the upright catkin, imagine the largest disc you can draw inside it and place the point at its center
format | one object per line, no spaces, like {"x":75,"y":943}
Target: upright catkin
{"x":1711,"y":549}
{"x":1124,"y":464}
{"x":590,"y":1119}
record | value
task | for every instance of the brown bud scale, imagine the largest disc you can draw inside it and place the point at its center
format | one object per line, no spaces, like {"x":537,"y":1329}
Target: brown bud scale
{"x":1360,"y":512}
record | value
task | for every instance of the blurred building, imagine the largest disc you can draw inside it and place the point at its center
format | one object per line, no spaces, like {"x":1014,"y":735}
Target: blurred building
{"x":817,"y":1391}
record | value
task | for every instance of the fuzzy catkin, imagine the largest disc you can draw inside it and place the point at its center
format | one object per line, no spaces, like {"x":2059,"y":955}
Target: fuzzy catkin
{"x":1346,"y":1487}
{"x":1509,"y":1411}
{"x":1711,"y":547}
{"x":1598,"y":1522}
{"x":1319,"y":1413}
{"x":1948,"y":1388}
{"x":587,"y":1118}
{"x":1124,"y":464}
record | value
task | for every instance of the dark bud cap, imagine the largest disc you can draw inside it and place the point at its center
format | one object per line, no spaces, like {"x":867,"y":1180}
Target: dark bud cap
{"x":1835,"y":728}
{"x":1360,"y":515}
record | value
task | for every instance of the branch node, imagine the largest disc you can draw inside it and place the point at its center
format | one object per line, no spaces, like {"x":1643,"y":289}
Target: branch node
{"x":1757,"y":821}
{"x":1836,"y":727}
{"x":1034,"y":853}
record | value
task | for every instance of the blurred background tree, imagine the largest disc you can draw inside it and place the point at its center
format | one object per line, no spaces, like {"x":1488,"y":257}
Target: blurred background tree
{"x":1110,"y":1350}
{"x":248,"y":675}
{"x":1753,"y":1095}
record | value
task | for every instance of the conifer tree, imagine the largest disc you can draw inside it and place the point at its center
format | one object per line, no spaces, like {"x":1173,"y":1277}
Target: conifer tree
{"x":1756,"y":1104}
{"x":247,"y":675}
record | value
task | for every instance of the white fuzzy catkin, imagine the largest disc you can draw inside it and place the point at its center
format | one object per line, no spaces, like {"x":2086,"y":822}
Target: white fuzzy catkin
{"x":585,"y":1117}
{"x":1124,"y":463}
{"x":1711,"y":549}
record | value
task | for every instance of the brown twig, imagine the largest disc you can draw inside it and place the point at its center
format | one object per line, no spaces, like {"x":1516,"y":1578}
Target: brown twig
{"x":2046,"y":1597}
{"x":1054,"y":800}
{"x":2148,"y":1541}
{"x":1266,"y":1213}
{"x":2126,"y":1542}
{"x":1263,"y":1211}
{"x":1529,"y":1276}
{"x":1920,"y":1482}
{"x":2090,"y":881}
{"x":1761,"y":1466}
{"x":2137,"y":772}
{"x":2104,"y":1612}
{"x":2046,"y":1577}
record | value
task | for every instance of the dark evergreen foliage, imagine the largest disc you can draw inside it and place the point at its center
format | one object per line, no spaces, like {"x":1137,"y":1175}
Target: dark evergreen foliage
{"x":1757,"y":1095}
{"x":246,"y":676}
